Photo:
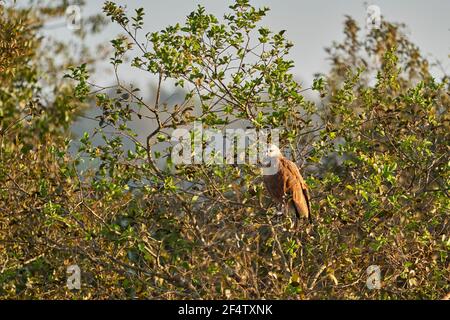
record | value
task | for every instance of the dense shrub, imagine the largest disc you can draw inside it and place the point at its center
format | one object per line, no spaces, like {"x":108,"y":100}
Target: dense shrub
{"x":373,"y":149}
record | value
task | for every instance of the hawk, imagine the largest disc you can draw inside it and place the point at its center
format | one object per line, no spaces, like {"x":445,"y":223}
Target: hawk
{"x":285,"y":184}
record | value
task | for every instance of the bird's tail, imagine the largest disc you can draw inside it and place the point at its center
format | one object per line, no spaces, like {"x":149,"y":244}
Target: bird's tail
{"x":298,"y":213}
{"x":301,"y":206}
{"x":310,"y":219}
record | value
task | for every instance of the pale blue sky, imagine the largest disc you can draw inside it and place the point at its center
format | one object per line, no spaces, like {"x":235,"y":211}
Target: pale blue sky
{"x":311,"y":25}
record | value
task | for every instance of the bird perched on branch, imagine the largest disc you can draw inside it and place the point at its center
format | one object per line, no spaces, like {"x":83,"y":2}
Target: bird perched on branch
{"x":285,"y":184}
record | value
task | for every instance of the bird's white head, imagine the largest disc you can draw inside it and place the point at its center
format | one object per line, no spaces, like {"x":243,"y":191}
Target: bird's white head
{"x":271,"y":159}
{"x":272,"y":151}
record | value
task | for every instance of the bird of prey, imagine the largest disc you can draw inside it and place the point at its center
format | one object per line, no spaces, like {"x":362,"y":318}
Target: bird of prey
{"x":285,"y":184}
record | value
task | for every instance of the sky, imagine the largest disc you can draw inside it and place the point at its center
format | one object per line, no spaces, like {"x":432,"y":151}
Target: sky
{"x":311,"y":25}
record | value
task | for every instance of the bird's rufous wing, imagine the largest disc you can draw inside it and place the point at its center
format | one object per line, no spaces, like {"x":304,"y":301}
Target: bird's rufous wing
{"x":296,"y":186}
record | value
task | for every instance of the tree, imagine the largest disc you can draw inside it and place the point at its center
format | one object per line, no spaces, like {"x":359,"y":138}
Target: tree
{"x":36,"y":171}
{"x":374,"y":149}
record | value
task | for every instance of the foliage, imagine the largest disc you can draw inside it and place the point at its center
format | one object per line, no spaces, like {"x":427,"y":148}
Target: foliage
{"x":374,"y":150}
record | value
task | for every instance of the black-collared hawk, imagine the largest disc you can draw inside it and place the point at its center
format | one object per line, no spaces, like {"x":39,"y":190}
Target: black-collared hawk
{"x":285,"y":184}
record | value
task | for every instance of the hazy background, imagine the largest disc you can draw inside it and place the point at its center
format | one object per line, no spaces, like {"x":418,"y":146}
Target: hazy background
{"x":311,"y":25}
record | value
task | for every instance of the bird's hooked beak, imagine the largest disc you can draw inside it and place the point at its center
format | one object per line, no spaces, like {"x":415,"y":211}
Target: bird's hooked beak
{"x":269,"y":164}
{"x":270,"y":160}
